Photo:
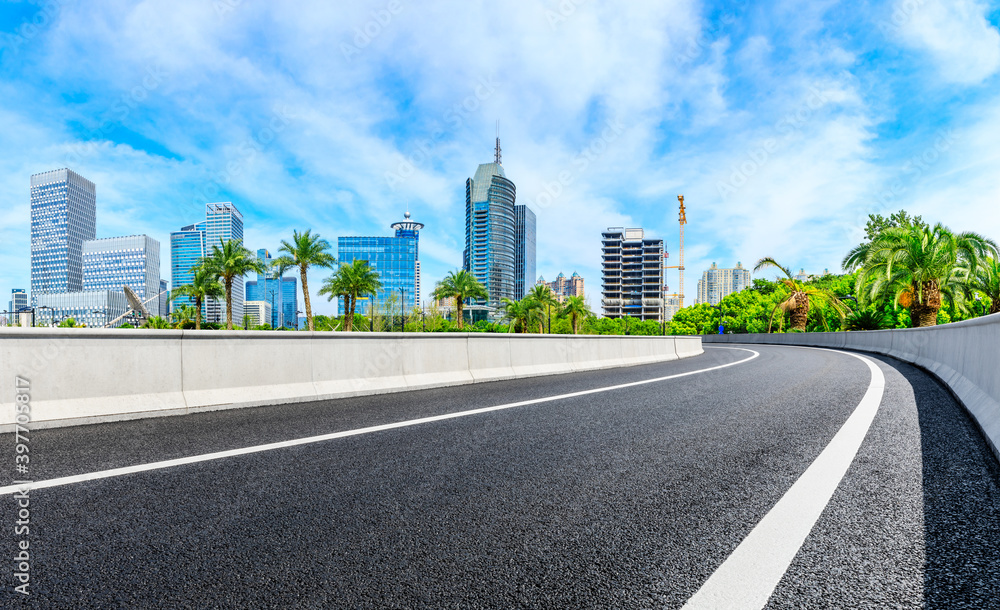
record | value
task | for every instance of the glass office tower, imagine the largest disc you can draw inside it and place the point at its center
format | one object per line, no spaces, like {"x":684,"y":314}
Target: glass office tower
{"x":394,"y":259}
{"x":282,"y":295}
{"x":63,"y":216}
{"x":187,"y":247}
{"x":133,"y":261}
{"x":499,"y":235}
{"x":524,"y":250}
{"x":222,"y":223}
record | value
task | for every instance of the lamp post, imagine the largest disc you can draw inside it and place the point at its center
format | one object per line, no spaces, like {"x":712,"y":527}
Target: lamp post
{"x":402,"y":313}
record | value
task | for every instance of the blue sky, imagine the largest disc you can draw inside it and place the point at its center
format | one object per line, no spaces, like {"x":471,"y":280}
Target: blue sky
{"x":783,"y":123}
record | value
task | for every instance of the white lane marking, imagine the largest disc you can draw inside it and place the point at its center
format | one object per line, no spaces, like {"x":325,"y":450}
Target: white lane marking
{"x":749,"y":576}
{"x":114,"y":472}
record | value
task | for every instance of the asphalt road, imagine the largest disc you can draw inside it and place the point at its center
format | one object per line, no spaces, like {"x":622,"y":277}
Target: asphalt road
{"x":626,"y":498}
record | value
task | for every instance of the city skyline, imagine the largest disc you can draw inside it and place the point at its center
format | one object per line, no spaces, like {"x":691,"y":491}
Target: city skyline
{"x":775,"y":124}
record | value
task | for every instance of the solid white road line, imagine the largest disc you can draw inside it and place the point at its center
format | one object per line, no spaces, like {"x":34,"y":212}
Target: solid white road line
{"x":114,"y":472}
{"x":749,"y":576}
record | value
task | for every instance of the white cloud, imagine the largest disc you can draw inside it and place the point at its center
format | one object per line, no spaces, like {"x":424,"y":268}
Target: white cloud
{"x":955,"y":33}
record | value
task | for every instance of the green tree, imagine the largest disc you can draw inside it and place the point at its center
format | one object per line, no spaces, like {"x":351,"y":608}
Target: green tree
{"x":351,"y":280}
{"x":693,"y":320}
{"x":157,"y":323}
{"x":523,"y":313}
{"x":985,"y":282}
{"x":460,"y":285}
{"x":877,"y":223}
{"x":185,"y":313}
{"x":919,"y":267}
{"x":542,"y":294}
{"x":204,"y":284}
{"x":575,"y":308}
{"x":228,"y":260}
{"x":799,"y":297}
{"x":305,"y":250}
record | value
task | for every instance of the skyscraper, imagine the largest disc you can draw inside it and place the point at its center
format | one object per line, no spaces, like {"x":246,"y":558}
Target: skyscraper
{"x":224,"y":222}
{"x":499,"y":246}
{"x":63,"y":216}
{"x":393,"y":258}
{"x":716,"y":284}
{"x":524,"y":250}
{"x":633,"y":274}
{"x":18,"y":300}
{"x":187,"y":247}
{"x":282,"y":295}
{"x":133,"y":261}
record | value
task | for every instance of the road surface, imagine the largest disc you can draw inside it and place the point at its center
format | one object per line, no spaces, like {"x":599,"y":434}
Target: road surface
{"x":624,"y":488}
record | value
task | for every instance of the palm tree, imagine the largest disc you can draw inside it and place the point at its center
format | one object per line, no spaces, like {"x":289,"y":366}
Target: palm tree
{"x":542,"y":295}
{"x":521,"y":313}
{"x":158,"y":323}
{"x":800,"y":297}
{"x":306,"y":250}
{"x":575,"y":308}
{"x":204,"y":284}
{"x":349,"y":281}
{"x":920,"y":266}
{"x":227,"y":261}
{"x":185,"y":313}
{"x":460,"y":285}
{"x":986,"y":281}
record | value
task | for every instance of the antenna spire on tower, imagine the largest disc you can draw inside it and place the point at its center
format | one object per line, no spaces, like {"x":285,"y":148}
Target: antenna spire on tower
{"x":496,"y":155}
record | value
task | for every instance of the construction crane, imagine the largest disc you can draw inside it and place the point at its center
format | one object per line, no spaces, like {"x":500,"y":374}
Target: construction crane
{"x":680,"y":267}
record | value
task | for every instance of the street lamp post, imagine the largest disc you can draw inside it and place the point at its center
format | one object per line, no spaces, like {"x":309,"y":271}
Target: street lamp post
{"x":402,"y":312}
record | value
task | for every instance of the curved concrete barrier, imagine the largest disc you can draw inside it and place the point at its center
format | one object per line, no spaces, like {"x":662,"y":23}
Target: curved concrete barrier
{"x":80,"y":376}
{"x":965,"y":356}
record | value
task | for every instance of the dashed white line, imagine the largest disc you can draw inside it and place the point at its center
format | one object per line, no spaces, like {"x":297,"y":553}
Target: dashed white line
{"x":218,"y":455}
{"x":746,"y":580}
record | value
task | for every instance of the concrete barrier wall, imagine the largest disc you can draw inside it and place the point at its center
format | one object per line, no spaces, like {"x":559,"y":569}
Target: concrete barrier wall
{"x":965,"y":356}
{"x":88,"y":375}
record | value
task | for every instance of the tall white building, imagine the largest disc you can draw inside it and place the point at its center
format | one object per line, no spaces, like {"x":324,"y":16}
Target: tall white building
{"x":131,"y":260}
{"x":716,"y":284}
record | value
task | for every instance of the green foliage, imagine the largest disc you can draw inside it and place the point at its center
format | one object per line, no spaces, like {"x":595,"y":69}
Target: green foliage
{"x":69,"y":323}
{"x":877,"y":223}
{"x":351,"y":281}
{"x":228,"y":260}
{"x":461,"y":286}
{"x":304,"y":251}
{"x":694,"y":320}
{"x":157,"y":323}
{"x":868,"y":319}
{"x":204,"y":284}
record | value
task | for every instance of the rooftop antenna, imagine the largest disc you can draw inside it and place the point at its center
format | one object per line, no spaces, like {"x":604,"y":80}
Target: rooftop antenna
{"x":496,"y":155}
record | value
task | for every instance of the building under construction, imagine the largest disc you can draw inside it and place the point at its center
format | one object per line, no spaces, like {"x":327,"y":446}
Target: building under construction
{"x":632,"y":274}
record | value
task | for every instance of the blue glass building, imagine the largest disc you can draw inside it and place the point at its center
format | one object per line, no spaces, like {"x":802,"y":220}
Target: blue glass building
{"x":133,"y":261}
{"x":396,"y":259}
{"x":524,"y":250}
{"x":187,"y":247}
{"x":282,"y":295}
{"x":63,"y":216}
{"x":499,"y":235}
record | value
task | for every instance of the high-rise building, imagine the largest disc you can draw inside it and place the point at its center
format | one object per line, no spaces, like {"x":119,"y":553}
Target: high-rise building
{"x":63,"y":216}
{"x":164,"y":299}
{"x":224,"y":222}
{"x":18,"y":300}
{"x":499,"y":237}
{"x":564,"y":287}
{"x":258,"y":312}
{"x":716,"y":284}
{"x":134,"y":261}
{"x":187,"y":248}
{"x":282,"y":295}
{"x":94,"y":308}
{"x":524,"y":249}
{"x":393,"y":258}
{"x":632,"y":274}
